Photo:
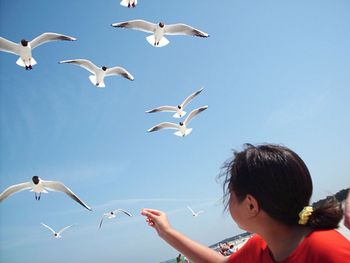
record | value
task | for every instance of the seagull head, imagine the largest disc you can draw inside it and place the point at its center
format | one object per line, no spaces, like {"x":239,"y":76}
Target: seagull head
{"x":24,"y":42}
{"x":35,"y":179}
{"x":104,"y":68}
{"x":181,"y":123}
{"x":55,"y":234}
{"x":179,"y":107}
{"x":161,"y":24}
{"x":112,"y":213}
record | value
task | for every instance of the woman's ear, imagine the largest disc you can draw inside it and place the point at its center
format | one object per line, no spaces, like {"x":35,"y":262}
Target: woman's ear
{"x":253,"y":205}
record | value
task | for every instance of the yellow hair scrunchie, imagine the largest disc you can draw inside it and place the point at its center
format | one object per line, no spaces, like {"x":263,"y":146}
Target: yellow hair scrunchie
{"x":305,"y":214}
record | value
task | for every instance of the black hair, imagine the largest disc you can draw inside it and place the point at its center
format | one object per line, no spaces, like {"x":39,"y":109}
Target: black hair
{"x":280,"y":182}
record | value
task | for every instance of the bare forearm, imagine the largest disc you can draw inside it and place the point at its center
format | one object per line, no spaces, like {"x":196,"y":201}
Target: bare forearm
{"x":192,"y":249}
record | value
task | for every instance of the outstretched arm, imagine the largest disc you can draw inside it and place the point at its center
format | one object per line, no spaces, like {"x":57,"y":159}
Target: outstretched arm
{"x":191,"y":249}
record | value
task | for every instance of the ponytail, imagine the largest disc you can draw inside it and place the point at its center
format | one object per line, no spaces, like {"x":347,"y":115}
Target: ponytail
{"x":326,"y":214}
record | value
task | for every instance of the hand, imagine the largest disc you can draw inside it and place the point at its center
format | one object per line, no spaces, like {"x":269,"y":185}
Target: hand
{"x":156,"y":219}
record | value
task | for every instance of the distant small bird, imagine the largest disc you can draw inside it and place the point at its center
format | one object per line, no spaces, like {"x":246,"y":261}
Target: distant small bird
{"x":193,"y":212}
{"x":128,"y":3}
{"x":39,"y":186}
{"x":25,"y":47}
{"x":179,"y":109}
{"x":158,"y":31}
{"x":182,"y":126}
{"x":56,"y":234}
{"x":113,"y":214}
{"x":99,"y":73}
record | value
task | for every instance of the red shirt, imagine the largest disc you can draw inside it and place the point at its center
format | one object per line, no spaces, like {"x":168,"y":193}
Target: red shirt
{"x":321,"y":246}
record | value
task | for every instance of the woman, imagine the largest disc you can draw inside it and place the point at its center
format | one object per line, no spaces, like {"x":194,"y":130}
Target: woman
{"x":267,"y":190}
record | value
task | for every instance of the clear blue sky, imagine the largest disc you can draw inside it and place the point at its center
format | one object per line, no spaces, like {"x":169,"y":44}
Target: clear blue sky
{"x":272,"y":71}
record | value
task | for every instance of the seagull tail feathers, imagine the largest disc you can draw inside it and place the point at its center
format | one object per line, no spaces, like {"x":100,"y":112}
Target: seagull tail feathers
{"x":163,"y":42}
{"x":21,"y":63}
{"x":124,"y":3}
{"x":177,"y":115}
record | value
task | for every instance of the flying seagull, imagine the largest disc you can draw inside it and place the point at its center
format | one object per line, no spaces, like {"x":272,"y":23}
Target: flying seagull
{"x":56,"y":234}
{"x":158,"y":31}
{"x":179,"y":109}
{"x":128,"y":3}
{"x":99,"y":73}
{"x":193,"y":212}
{"x":181,"y":128}
{"x":113,"y":214}
{"x":25,"y":47}
{"x":39,"y":186}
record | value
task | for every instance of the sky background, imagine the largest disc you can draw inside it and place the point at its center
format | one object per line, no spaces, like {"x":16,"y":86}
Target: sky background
{"x":272,"y":71}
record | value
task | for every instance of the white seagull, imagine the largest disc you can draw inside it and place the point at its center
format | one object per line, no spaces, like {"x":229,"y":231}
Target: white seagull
{"x":128,"y":3}
{"x":99,"y":73}
{"x":179,"y":109}
{"x":193,"y":212}
{"x":25,"y":47}
{"x":113,"y":214}
{"x":182,"y":126}
{"x":56,"y":234}
{"x":158,"y":31}
{"x":39,"y":186}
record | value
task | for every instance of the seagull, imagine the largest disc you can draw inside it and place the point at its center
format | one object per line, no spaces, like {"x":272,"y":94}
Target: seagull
{"x":25,"y":47}
{"x":158,"y":31}
{"x":56,"y":234}
{"x":193,"y":212}
{"x":39,"y":186}
{"x":179,"y":109}
{"x":182,"y":126}
{"x":99,"y":73}
{"x":113,"y":214}
{"x":128,"y":3}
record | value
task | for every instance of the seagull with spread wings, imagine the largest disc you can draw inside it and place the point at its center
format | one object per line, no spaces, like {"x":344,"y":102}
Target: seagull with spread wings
{"x":195,"y":214}
{"x":179,"y":109}
{"x":113,"y":214}
{"x":158,"y":31}
{"x":25,"y":47}
{"x":99,"y":73}
{"x":56,"y":234}
{"x":38,"y":186}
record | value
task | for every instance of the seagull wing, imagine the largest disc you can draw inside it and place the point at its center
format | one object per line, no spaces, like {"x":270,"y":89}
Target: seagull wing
{"x":47,"y":37}
{"x":162,"y":108}
{"x":14,"y":189}
{"x":183,"y":29}
{"x":189,"y":98}
{"x":119,"y":71}
{"x":191,"y":210}
{"x":123,"y":211}
{"x":63,"y":229}
{"x":141,"y":25}
{"x":103,"y":217}
{"x":194,"y":113}
{"x":164,"y":125}
{"x":58,"y":186}
{"x":53,"y":231}
{"x":9,"y":46}
{"x":84,"y":63}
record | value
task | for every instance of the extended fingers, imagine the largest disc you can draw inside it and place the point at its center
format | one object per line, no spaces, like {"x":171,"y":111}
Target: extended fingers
{"x":148,"y":211}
